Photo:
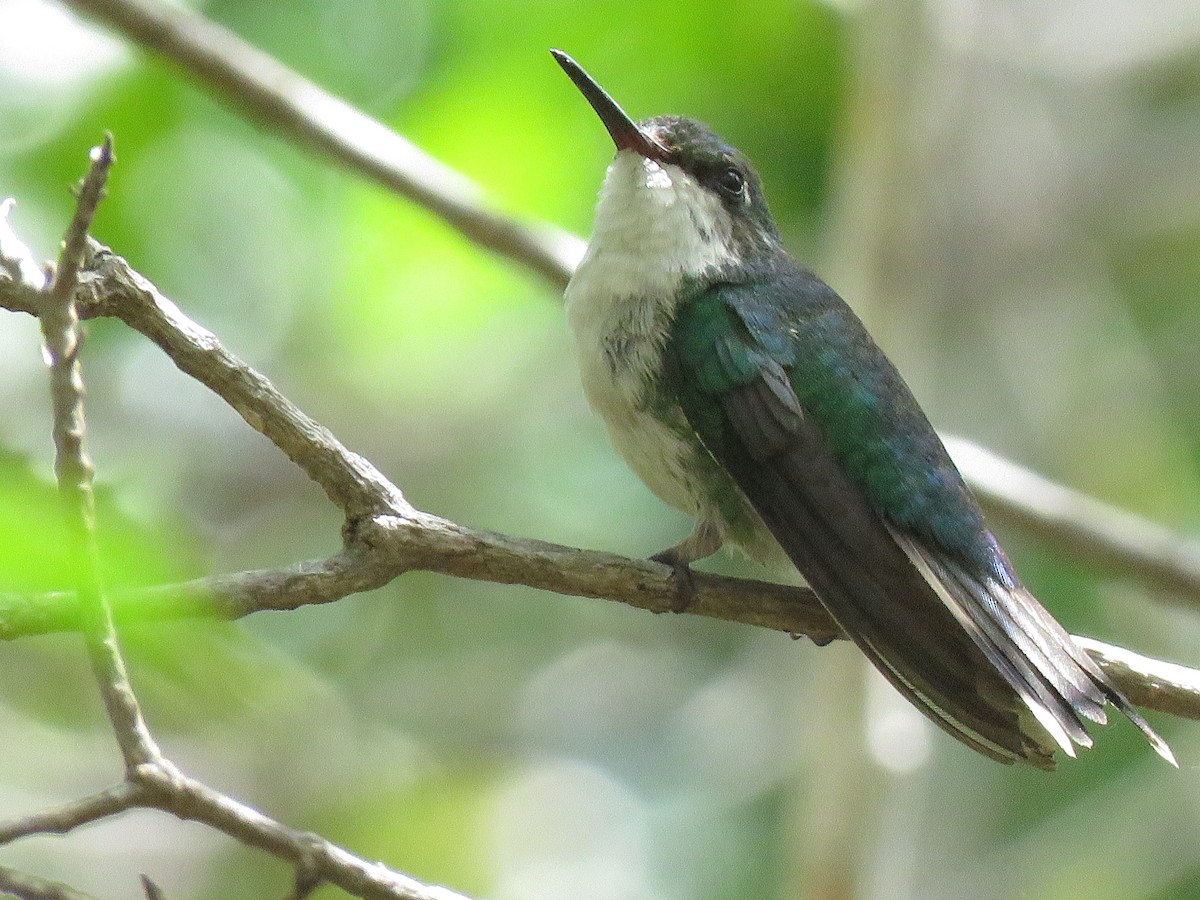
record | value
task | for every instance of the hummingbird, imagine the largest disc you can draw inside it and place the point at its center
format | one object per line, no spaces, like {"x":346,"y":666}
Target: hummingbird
{"x":743,"y":391}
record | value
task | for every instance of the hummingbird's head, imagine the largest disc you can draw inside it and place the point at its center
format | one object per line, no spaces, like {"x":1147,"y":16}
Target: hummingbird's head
{"x":694,"y":153}
{"x":677,"y":198}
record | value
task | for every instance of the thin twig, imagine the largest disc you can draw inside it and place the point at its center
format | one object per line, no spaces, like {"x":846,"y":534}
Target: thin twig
{"x":69,"y":816}
{"x":186,"y":798}
{"x":1150,"y":683}
{"x":349,"y":480}
{"x":392,"y":546}
{"x":216,"y":597}
{"x":308,"y":876}
{"x":281,"y":99}
{"x":30,"y":887}
{"x":62,"y":337}
{"x":160,"y":785}
{"x":1081,"y":526}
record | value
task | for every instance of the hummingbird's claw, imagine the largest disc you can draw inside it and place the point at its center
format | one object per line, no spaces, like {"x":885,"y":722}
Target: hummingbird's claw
{"x":685,"y":583}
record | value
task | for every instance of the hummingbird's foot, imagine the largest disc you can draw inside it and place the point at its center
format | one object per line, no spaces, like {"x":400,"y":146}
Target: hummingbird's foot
{"x":681,"y":573}
{"x":706,"y":538}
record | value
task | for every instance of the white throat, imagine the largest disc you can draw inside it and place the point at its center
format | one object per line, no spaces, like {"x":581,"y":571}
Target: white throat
{"x":655,"y":226}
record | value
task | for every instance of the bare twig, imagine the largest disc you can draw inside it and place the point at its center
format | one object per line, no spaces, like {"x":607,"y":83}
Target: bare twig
{"x":216,"y":597}
{"x":70,"y":816}
{"x":391,"y":546}
{"x":173,"y":792}
{"x":350,"y":481}
{"x":1147,"y":682}
{"x":270,"y":93}
{"x":62,"y":337}
{"x":30,"y":887}
{"x":308,"y":875}
{"x":398,"y":545}
{"x":160,"y":785}
{"x":1081,"y":526}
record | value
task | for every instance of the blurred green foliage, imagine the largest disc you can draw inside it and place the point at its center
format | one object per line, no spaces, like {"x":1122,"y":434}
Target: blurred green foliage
{"x":1013,"y":213}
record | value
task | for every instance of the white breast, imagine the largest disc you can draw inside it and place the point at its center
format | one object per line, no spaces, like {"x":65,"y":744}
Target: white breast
{"x":655,"y":226}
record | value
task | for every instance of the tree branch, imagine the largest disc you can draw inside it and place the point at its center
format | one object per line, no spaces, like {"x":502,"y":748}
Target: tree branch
{"x":69,"y":816}
{"x":350,"y":481}
{"x":1077,"y":525}
{"x":151,"y":780}
{"x":186,"y":798}
{"x":427,"y":543}
{"x":63,"y":338}
{"x":1150,"y":683}
{"x":391,"y":546}
{"x":160,"y":785}
{"x":268,"y":92}
{"x":30,"y":887}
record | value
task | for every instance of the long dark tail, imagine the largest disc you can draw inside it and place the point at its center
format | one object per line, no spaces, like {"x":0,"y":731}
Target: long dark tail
{"x":1053,"y":675}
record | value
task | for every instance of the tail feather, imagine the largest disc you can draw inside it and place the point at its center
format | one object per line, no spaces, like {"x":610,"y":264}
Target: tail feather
{"x":1024,"y":673}
{"x":1055,"y":678}
{"x":1038,"y":635}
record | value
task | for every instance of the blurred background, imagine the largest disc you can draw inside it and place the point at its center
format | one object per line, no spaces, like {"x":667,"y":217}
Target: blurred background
{"x":1007,"y":191}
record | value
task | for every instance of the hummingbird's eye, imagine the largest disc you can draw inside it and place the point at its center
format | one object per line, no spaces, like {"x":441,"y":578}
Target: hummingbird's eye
{"x":731,"y":181}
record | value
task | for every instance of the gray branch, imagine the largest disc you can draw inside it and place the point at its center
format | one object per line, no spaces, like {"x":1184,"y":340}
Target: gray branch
{"x":1147,"y":682}
{"x":268,"y":92}
{"x":186,"y":798}
{"x":68,"y":817}
{"x":30,"y":887}
{"x":160,"y":785}
{"x":1077,"y":525}
{"x":63,"y":338}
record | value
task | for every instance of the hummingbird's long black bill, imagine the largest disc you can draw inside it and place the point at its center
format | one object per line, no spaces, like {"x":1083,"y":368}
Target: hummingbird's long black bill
{"x":624,"y":131}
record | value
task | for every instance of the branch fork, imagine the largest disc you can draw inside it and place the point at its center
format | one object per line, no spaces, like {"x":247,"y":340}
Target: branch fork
{"x":151,"y":780}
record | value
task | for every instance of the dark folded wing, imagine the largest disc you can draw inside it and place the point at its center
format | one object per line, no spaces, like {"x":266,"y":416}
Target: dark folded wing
{"x":976,"y":653}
